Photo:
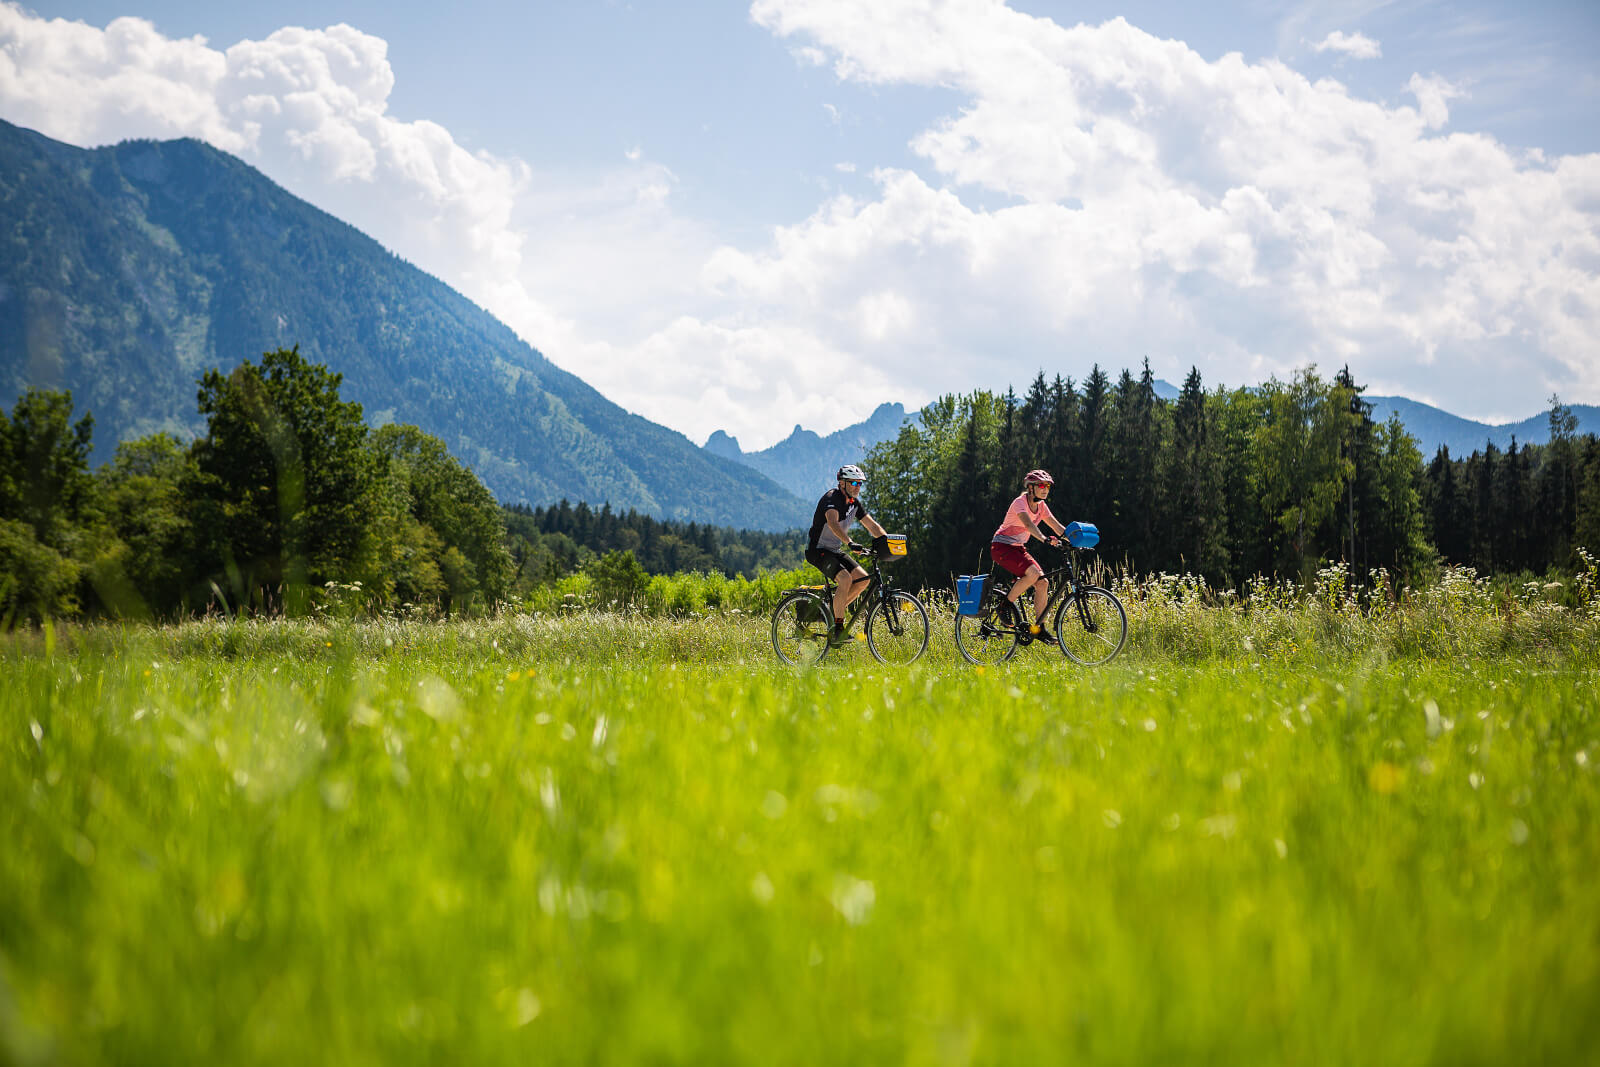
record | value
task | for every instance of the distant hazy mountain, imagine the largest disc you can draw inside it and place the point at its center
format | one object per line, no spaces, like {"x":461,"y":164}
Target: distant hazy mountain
{"x":127,"y":271}
{"x":805,"y":463}
{"x":1432,"y":427}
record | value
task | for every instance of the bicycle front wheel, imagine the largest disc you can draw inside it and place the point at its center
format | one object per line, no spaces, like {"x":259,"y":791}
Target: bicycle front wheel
{"x":989,"y":637}
{"x":801,"y":624}
{"x":900,"y":634}
{"x":1091,"y":626}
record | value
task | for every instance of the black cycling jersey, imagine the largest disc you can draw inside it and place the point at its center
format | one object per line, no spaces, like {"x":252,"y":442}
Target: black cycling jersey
{"x":849,"y":511}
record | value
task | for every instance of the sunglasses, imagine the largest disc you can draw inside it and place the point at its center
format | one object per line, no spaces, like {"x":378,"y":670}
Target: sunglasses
{"x":858,"y":485}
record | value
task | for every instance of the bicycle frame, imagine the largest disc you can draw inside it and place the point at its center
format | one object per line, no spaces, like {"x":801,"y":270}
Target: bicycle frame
{"x":1075,"y":582}
{"x":901,"y":615}
{"x":878,"y":590}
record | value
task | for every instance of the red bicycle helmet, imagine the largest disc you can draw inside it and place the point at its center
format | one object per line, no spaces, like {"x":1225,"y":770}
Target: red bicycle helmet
{"x":1037,"y":477}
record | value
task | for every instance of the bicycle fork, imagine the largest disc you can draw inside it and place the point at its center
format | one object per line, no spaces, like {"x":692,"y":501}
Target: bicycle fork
{"x":1081,"y":602}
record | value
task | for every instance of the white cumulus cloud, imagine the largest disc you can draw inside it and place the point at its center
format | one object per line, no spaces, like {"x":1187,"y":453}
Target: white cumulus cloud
{"x":1354,"y":45}
{"x":1433,"y":95}
{"x":1234,"y":215}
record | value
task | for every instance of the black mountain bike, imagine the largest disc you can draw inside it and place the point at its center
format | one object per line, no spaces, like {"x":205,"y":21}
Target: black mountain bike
{"x":1090,"y":623}
{"x":896,"y":626}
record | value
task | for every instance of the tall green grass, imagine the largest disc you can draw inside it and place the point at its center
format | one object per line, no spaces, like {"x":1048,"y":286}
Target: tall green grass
{"x":597,"y":838}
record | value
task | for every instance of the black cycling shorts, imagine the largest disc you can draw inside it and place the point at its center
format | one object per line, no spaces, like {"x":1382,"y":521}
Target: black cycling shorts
{"x":829,"y":563}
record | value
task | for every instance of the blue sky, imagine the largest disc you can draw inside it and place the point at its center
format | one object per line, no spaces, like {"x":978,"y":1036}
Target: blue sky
{"x":720,"y":213}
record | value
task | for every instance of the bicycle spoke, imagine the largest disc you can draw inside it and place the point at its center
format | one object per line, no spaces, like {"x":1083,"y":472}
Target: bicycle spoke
{"x":801,"y":624}
{"x":899,"y":634}
{"x":987,"y":638}
{"x":1091,"y":626}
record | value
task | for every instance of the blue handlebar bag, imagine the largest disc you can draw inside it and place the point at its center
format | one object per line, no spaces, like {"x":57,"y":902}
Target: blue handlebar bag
{"x":1083,"y":534}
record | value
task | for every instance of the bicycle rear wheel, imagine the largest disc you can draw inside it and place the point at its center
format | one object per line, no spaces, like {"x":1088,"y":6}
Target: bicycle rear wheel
{"x":801,"y":624}
{"x":989,"y":637}
{"x":899,"y":635}
{"x":1091,"y":626}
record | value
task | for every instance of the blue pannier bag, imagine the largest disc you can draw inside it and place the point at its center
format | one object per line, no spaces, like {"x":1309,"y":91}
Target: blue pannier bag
{"x":969,"y":593}
{"x":1083,"y":534}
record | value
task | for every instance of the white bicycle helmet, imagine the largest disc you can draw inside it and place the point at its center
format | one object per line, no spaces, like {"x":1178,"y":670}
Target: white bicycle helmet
{"x":851,"y":473}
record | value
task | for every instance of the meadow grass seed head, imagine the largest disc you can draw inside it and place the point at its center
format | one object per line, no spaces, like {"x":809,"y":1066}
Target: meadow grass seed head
{"x":761,"y":888}
{"x":853,"y":898}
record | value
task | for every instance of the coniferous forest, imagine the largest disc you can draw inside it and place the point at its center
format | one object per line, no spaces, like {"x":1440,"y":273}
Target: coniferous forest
{"x":1230,"y":484}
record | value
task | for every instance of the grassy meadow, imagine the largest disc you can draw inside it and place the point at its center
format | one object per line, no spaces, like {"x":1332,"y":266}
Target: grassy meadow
{"x":1300,"y":833}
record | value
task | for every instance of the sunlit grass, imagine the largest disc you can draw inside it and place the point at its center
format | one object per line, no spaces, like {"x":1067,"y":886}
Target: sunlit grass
{"x":610,"y":839}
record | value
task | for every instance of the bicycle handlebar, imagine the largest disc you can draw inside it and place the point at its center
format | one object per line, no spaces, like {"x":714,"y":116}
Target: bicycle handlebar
{"x":1063,"y":544}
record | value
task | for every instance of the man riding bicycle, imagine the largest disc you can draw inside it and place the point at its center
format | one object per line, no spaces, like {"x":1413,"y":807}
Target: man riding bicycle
{"x":838,"y":509}
{"x":1009,"y":547}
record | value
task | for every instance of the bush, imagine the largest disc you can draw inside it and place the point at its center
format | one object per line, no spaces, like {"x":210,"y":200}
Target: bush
{"x":619,"y":580}
{"x":36,"y":581}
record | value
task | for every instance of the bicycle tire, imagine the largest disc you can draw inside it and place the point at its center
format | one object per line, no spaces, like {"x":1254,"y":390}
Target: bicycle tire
{"x":1091,"y":626}
{"x":899,"y":635}
{"x":798,"y":638}
{"x":990,"y":637}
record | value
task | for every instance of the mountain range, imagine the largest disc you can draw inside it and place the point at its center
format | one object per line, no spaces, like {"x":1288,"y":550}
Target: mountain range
{"x":1434,"y":428}
{"x":129,"y":270}
{"x":806,"y":463}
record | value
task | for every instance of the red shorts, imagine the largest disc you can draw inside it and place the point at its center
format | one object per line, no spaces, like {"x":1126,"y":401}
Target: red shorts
{"x":1013,"y":558}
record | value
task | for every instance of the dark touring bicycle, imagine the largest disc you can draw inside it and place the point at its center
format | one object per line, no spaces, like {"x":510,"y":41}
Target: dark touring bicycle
{"x":896,"y":628}
{"x":1090,"y":623}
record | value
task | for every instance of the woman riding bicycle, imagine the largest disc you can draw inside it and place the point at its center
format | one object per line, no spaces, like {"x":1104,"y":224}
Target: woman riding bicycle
{"x":1009,"y":548}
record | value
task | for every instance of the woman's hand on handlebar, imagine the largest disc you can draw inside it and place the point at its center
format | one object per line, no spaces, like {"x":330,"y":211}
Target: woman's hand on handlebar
{"x":1053,"y":541}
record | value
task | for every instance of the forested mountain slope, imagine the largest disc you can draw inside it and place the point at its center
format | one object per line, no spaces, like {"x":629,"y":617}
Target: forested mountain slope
{"x":127,"y":271}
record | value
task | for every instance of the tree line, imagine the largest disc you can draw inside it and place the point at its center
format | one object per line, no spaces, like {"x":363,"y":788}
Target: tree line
{"x":548,"y":543}
{"x":1230,"y":484}
{"x":288,"y":502}
{"x":1526,"y":508}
